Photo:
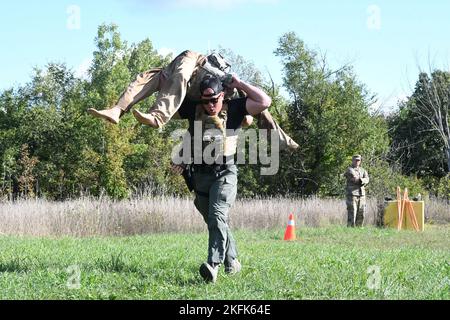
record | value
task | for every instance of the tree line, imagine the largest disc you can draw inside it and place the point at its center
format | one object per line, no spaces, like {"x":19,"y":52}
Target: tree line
{"x":50,"y":147}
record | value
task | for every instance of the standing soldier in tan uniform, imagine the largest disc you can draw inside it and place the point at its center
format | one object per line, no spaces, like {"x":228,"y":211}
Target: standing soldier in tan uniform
{"x":180,"y":80}
{"x":357,"y":179}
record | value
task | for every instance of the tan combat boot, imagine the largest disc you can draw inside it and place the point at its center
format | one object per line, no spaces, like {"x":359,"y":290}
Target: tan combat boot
{"x":112,"y":115}
{"x":146,"y":118}
{"x":288,"y":143}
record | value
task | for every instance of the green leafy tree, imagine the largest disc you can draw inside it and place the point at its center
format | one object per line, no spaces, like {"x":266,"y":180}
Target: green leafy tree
{"x":251,"y":183}
{"x":330,"y":118}
{"x":420,"y":129}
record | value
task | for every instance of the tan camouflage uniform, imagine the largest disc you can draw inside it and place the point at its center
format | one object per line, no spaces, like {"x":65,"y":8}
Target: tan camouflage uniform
{"x":180,"y":80}
{"x":357,"y":179}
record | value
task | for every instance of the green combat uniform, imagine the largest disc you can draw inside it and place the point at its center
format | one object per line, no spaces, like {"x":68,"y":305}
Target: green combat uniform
{"x":215,"y":185}
{"x":357,"y":179}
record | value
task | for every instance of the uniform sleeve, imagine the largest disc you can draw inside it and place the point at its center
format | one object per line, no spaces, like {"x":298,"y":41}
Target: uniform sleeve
{"x":187,"y":109}
{"x":351,"y":175}
{"x":365,"y":178}
{"x":348,"y":174}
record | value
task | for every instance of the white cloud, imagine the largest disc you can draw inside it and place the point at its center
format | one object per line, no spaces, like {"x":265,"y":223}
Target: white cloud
{"x":82,"y":70}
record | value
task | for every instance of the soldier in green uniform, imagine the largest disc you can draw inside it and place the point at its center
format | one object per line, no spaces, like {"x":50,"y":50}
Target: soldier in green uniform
{"x":215,"y":183}
{"x":357,"y":179}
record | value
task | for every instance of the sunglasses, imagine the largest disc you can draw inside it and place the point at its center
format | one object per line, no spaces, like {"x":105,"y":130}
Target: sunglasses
{"x":212,"y":100}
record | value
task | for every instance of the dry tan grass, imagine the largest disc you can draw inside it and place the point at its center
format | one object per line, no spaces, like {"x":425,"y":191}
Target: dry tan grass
{"x":104,"y":217}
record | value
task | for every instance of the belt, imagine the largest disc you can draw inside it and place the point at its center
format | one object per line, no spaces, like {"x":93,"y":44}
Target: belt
{"x":204,"y":168}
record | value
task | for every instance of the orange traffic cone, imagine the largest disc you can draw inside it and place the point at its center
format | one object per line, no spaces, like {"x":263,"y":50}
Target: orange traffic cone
{"x":290,"y":230}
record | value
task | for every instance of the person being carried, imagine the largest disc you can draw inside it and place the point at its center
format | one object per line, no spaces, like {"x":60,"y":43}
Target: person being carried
{"x":179,"y":81}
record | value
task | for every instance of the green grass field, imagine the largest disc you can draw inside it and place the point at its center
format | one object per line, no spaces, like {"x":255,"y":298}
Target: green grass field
{"x":324,"y":263}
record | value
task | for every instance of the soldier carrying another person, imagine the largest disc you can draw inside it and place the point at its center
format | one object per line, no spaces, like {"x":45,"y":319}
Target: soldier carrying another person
{"x":215,"y":182}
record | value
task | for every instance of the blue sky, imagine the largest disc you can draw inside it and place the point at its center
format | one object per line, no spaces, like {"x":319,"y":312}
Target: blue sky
{"x":386,"y":41}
